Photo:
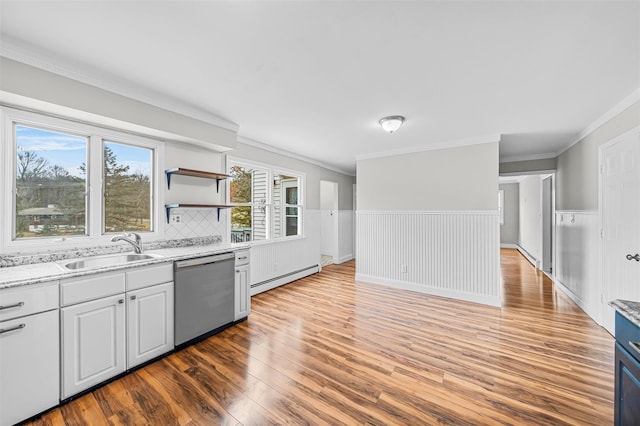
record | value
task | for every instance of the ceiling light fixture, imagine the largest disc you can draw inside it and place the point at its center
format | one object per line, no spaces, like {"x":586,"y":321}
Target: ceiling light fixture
{"x":391,"y":123}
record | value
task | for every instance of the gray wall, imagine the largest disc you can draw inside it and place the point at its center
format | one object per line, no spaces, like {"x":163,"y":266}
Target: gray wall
{"x":577,"y":172}
{"x":510,"y":230}
{"x":66,"y":97}
{"x":530,"y":216}
{"x":528,"y":166}
{"x":464,"y":178}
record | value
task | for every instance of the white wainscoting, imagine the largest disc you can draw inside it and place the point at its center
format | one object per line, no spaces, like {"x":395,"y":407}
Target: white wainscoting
{"x":452,"y":254}
{"x":277,"y":263}
{"x":577,"y":259}
{"x":345,"y":236}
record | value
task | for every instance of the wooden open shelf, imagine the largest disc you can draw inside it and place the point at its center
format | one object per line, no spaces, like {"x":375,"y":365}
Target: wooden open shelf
{"x":195,"y":173}
{"x":168,"y":207}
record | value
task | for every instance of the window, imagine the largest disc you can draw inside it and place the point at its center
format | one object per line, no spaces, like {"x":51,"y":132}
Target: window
{"x":68,"y":180}
{"x":50,"y":183}
{"x":267,"y":202}
{"x":126,"y":187}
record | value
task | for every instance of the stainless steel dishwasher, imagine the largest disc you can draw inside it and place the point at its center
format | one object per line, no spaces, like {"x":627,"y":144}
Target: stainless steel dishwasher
{"x":204,"y":296}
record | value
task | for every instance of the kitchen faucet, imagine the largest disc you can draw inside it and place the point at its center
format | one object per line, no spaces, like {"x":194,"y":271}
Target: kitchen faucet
{"x":137,"y":243}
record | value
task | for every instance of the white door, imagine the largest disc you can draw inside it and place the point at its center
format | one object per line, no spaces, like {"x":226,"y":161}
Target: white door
{"x":329,"y":218}
{"x":620,"y":180}
{"x":150,"y":323}
{"x":93,"y":343}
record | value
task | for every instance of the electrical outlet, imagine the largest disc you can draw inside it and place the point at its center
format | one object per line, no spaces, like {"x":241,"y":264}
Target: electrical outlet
{"x":176,"y":219}
{"x":403,"y":268}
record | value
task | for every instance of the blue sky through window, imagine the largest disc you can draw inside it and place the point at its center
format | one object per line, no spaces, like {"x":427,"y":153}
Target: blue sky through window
{"x":70,"y":151}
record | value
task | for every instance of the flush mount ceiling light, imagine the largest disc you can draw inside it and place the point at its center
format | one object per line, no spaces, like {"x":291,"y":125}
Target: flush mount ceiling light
{"x":391,"y":123}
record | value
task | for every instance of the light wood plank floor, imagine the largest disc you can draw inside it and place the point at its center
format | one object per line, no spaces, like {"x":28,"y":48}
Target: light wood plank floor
{"x":326,"y":350}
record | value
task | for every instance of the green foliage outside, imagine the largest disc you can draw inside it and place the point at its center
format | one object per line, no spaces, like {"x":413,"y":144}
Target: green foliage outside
{"x":39,"y":184}
{"x":240,"y":192}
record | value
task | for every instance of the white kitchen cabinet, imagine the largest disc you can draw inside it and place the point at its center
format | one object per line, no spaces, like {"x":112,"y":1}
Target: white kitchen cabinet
{"x":149,"y":323}
{"x":93,"y":343}
{"x":242,"y":286}
{"x":29,"y":362}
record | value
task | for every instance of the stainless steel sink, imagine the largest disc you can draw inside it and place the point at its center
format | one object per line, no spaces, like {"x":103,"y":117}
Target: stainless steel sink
{"x":111,"y":260}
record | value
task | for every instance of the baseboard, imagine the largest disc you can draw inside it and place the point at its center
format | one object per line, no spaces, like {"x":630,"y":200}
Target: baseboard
{"x":344,"y":258}
{"x":283,"y":279}
{"x":571,"y":295}
{"x":528,"y":256}
{"x":508,"y":245}
{"x":440,"y":292}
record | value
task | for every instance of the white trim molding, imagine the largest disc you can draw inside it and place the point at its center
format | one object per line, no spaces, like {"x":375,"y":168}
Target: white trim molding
{"x":615,"y":110}
{"x":451,"y":254}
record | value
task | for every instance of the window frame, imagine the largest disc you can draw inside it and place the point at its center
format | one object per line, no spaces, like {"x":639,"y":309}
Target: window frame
{"x":271,"y":172}
{"x":96,"y":135}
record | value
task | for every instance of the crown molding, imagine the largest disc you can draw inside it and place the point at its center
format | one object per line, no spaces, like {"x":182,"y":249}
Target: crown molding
{"x":35,"y":57}
{"x":617,"y":109}
{"x":256,"y":144}
{"x":432,"y":147}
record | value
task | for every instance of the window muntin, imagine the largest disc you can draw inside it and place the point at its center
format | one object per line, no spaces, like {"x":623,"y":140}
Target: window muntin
{"x":127,"y":172}
{"x":50,"y":183}
{"x":267,"y":202}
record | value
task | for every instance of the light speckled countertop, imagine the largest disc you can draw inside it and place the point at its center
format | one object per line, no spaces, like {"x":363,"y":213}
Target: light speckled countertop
{"x":628,"y":309}
{"x":16,"y":276}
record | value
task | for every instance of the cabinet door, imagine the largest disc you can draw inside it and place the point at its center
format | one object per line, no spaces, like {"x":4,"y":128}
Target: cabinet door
{"x":627,"y":389}
{"x":242,"y":293}
{"x":150,"y":323}
{"x":30,"y":368}
{"x":93,"y":339}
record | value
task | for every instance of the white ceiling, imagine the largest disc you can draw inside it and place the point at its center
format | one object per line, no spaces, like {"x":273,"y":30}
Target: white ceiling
{"x":314,"y":77}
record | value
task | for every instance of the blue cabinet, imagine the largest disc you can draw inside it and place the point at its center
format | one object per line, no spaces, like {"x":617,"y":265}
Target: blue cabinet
{"x":627,"y":358}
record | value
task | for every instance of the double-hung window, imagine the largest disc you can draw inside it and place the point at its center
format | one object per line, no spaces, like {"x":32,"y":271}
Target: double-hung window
{"x":267,"y":201}
{"x":66,"y":180}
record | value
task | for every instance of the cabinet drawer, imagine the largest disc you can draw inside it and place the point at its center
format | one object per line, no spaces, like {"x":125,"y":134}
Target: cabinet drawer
{"x":628,"y":335}
{"x":90,"y":287}
{"x":149,"y":275}
{"x":26,"y":301}
{"x":242,"y":257}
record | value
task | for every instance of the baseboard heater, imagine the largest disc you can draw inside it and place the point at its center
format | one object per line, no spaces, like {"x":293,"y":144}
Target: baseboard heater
{"x":283,"y":279}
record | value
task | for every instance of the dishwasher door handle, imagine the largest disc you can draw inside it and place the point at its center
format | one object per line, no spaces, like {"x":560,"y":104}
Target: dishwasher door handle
{"x":201,"y":261}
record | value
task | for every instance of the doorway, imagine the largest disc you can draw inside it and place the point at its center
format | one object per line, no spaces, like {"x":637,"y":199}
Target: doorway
{"x":328,"y":222}
{"x":547,"y":207}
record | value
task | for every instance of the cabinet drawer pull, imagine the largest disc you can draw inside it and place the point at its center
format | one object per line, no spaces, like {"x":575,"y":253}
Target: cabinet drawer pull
{"x":133,"y":297}
{"x":17,"y":327}
{"x":242,"y":258}
{"x":121,"y":301}
{"x":635,"y":346}
{"x":15,"y":305}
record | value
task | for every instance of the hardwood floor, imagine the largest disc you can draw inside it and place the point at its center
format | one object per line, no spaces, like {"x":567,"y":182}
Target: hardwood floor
{"x":326,"y":350}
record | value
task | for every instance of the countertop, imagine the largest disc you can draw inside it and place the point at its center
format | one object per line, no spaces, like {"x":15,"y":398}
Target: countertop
{"x":628,"y":309}
{"x":23,"y":275}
